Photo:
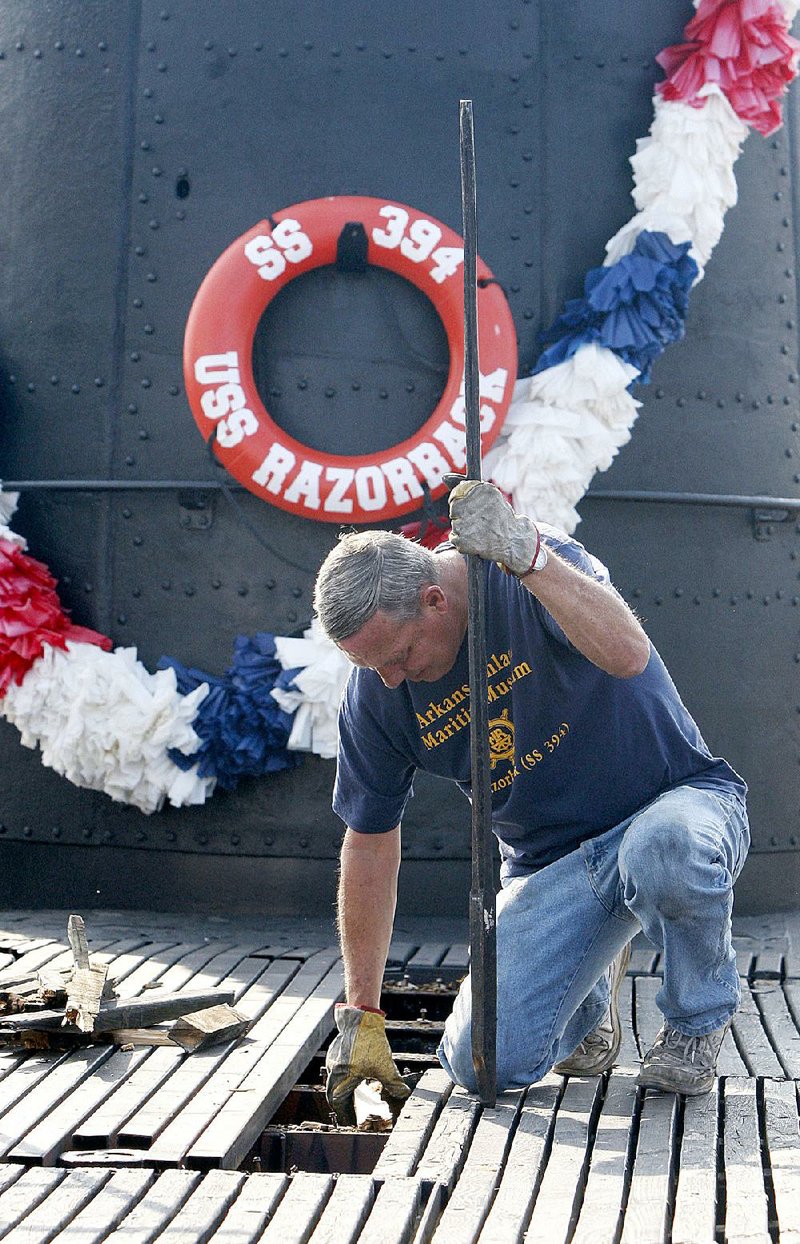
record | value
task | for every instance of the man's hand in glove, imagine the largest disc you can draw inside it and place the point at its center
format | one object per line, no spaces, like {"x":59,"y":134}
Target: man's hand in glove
{"x":359,"y":1051}
{"x":484,"y":524}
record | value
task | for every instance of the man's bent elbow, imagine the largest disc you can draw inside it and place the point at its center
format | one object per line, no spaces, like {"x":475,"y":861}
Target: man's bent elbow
{"x":634,"y":659}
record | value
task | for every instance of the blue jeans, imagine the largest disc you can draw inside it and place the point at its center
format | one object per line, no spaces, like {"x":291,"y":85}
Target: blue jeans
{"x":668,"y":870}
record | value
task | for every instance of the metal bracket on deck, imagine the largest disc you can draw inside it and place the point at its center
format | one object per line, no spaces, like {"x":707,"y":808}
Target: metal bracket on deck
{"x":196,"y":510}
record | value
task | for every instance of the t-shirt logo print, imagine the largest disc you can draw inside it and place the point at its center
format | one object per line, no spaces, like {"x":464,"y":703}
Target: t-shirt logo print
{"x":501,"y":738}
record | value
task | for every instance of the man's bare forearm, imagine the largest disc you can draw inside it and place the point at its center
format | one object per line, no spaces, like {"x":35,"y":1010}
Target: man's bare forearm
{"x":593,"y":616}
{"x":366,"y":906}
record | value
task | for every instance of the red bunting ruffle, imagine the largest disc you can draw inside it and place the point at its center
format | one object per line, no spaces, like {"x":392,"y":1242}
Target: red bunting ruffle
{"x":430,"y":533}
{"x":31,"y":615}
{"x":743,"y":46}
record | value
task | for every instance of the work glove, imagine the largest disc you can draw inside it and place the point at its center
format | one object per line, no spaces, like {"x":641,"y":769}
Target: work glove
{"x":359,"y":1051}
{"x":484,"y":524}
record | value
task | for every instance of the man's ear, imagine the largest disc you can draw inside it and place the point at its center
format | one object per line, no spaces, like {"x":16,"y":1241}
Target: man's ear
{"x":432,"y":597}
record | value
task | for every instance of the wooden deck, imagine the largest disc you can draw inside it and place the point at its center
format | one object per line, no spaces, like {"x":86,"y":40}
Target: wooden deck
{"x":131,"y":1145}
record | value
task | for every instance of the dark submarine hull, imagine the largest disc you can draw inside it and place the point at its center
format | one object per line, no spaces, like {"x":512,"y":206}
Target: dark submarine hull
{"x":137,"y":141}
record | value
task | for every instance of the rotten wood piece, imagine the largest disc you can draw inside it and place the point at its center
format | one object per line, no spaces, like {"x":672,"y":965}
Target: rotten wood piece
{"x":208,"y":1027}
{"x":133,"y":1013}
{"x":87,"y":982}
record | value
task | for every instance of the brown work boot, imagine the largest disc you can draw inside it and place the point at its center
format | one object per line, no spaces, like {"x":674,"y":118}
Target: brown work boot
{"x":599,"y":1048}
{"x":678,"y":1063}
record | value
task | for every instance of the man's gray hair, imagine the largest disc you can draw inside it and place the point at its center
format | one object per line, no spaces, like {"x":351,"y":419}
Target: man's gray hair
{"x":368,"y":571}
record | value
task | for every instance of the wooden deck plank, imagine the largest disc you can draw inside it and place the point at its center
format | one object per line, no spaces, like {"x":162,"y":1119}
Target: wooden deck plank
{"x":29,"y":1070}
{"x":191,"y":967}
{"x":205,"y":1209}
{"x":601,"y":1209}
{"x":64,"y":1078}
{"x":791,"y":963}
{"x":9,"y":1174}
{"x":521,"y":1179}
{"x":252,"y":1209}
{"x":102,"y":1127}
{"x":228,"y":1138}
{"x":202,"y":1084}
{"x":156,"y":1209}
{"x":562,"y":1184}
{"x":400,"y":952}
{"x":10,"y":1060}
{"x":694,"y":1219}
{"x":395,"y":1212}
{"x":414,"y":1125}
{"x":753,"y":1042}
{"x":729,"y":1060}
{"x":648,"y":1209}
{"x":107,"y":1209}
{"x":446,"y":1151}
{"x":746,"y":1217}
{"x":746,"y":948}
{"x":782,"y":1136}
{"x":347,"y":1210}
{"x":779,"y":1024}
{"x":769,"y":958}
{"x":791,"y":989}
{"x":300,"y":1210}
{"x":54,"y":1132}
{"x":429,"y":955}
{"x":28,"y":964}
{"x":233,"y":969}
{"x":456,"y":961}
{"x":472,"y":1196}
{"x":59,"y":1207}
{"x":21,"y":1197}
{"x":154,"y":962}
{"x":128,"y":962}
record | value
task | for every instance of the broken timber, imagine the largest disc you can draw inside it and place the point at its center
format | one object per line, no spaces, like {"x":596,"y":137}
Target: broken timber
{"x":134,"y":1013}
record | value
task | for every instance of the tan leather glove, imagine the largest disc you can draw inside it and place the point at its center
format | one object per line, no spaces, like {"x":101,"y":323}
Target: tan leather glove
{"x":359,"y":1051}
{"x":484,"y":524}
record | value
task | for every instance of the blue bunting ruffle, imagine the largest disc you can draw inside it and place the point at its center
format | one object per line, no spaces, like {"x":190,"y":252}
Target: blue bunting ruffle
{"x":243,"y":730}
{"x":635,"y":307}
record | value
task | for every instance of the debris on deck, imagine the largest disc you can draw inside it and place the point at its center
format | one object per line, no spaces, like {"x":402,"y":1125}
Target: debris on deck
{"x":56,"y":1010}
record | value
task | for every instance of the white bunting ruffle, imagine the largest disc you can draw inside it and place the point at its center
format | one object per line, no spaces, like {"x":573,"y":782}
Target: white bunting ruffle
{"x":105,"y":723}
{"x":563,"y":425}
{"x":8,"y":505}
{"x":683,"y":176}
{"x":324,"y":670}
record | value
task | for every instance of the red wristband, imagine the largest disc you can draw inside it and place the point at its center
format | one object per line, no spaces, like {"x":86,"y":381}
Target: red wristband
{"x":373,"y":1010}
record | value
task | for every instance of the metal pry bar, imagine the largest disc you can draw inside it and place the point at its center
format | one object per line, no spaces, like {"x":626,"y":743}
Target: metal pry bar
{"x":482,"y":935}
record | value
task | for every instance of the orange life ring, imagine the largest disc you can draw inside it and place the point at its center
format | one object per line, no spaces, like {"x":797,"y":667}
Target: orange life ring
{"x":218,"y":360}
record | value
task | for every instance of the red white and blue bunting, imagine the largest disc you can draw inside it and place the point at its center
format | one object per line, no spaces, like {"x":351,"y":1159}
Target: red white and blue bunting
{"x":106,"y":723}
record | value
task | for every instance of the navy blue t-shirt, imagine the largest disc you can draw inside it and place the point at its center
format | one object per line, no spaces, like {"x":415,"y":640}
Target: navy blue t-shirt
{"x":573,"y":750}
